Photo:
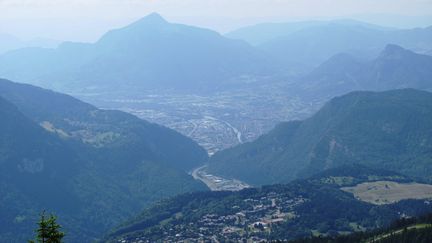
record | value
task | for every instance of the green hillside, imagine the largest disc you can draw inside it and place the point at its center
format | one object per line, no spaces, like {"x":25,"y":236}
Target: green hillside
{"x":386,"y":130}
{"x":93,"y":168}
{"x":405,"y":230}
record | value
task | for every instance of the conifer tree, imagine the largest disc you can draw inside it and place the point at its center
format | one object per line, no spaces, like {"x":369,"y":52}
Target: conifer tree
{"x":48,"y":230}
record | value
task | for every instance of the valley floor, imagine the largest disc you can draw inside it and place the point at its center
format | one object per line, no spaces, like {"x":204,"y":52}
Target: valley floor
{"x":215,"y":121}
{"x":216,"y":183}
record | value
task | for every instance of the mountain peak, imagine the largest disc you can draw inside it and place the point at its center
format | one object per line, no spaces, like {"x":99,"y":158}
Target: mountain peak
{"x":392,"y":51}
{"x":153,"y":18}
{"x":151,"y":22}
{"x":340,"y":59}
{"x":393,"y":47}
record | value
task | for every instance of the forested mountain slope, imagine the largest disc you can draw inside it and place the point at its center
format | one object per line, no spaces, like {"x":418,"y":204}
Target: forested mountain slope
{"x":387,"y":130}
{"x":92,"y":167}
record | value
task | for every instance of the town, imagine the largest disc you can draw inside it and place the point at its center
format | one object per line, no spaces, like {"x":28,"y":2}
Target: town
{"x":253,"y":221}
{"x":215,"y":121}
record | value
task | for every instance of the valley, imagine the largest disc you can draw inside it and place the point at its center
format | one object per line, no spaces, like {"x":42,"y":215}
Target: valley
{"x":216,"y":121}
{"x":168,"y":130}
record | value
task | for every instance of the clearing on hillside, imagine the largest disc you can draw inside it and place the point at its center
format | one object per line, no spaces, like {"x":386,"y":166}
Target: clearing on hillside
{"x":387,"y":192}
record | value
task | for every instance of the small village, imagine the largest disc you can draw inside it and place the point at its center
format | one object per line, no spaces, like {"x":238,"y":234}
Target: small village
{"x":250,"y":223}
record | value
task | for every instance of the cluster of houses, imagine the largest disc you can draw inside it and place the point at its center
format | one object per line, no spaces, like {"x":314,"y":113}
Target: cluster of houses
{"x":251,"y":222}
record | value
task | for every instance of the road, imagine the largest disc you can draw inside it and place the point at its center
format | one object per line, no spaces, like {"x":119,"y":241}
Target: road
{"x":235,"y":130}
{"x":195,"y":126}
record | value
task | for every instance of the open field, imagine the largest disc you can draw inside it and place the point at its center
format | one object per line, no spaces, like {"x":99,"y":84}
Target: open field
{"x":386,"y":192}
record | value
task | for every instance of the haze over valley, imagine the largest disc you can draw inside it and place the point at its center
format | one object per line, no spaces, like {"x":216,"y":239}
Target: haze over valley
{"x":237,"y":122}
{"x":225,"y":105}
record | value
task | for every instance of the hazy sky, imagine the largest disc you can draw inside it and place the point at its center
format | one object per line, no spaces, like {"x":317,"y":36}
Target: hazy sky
{"x":86,"y":20}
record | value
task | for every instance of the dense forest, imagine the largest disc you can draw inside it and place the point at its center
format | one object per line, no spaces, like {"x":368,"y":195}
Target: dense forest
{"x":387,"y":130}
{"x":91,"y":167}
{"x":405,"y":230}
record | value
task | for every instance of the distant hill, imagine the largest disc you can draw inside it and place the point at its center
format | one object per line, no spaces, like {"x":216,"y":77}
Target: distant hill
{"x":312,"y":46}
{"x":394,"y":68}
{"x":386,"y":130}
{"x":9,"y":43}
{"x":148,"y":54}
{"x":261,"y":33}
{"x":92,"y":167}
{"x":303,"y":208}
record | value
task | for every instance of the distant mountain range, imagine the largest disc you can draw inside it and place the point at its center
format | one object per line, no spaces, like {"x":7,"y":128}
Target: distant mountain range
{"x":153,"y":54}
{"x":261,"y":33}
{"x":91,"y":167}
{"x":312,"y":207}
{"x":309,"y":47}
{"x":394,"y":68}
{"x":9,"y":43}
{"x":148,"y":54}
{"x":385,"y":130}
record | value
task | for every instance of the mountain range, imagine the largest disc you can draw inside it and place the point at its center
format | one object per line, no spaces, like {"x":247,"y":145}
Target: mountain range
{"x":261,"y":33}
{"x":136,"y":58}
{"x":9,"y":43}
{"x":311,"y":46}
{"x":385,"y":130}
{"x":148,"y":54}
{"x":394,"y":68}
{"x":91,"y":167}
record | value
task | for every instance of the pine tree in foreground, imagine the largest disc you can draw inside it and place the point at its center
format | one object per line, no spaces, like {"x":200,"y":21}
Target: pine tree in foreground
{"x":48,"y":230}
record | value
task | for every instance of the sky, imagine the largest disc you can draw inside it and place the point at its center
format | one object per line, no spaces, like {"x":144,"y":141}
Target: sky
{"x":87,"y":20}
